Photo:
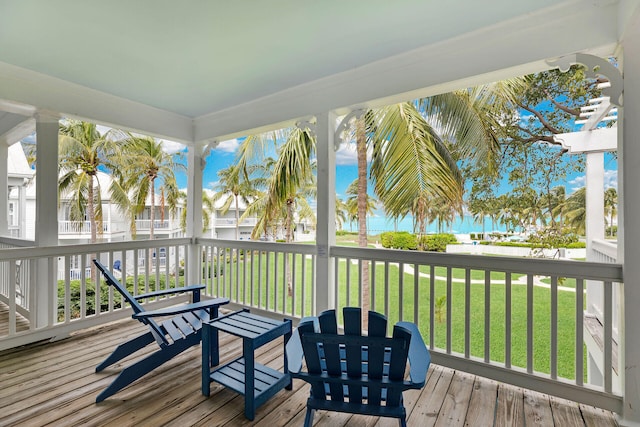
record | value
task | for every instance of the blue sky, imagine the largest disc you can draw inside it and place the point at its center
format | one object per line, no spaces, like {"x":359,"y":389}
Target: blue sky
{"x":346,"y":168}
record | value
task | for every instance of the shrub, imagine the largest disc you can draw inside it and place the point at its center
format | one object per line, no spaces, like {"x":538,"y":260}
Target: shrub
{"x":75,"y":294}
{"x":437,"y":242}
{"x":399,"y":240}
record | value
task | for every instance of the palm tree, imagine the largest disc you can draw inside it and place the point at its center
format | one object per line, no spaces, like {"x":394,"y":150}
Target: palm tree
{"x":146,"y":163}
{"x":611,"y":206}
{"x":410,"y":159}
{"x":207,"y":211}
{"x":577,"y":210}
{"x":233,"y":188}
{"x":341,"y":213}
{"x":557,"y":204}
{"x":82,"y":152}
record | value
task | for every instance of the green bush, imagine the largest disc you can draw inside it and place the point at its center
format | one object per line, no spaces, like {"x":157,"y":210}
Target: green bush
{"x":576,"y":245}
{"x":399,"y":240}
{"x":437,"y":242}
{"x":75,"y":294}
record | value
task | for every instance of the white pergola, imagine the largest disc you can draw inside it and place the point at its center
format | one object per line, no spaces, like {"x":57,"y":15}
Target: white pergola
{"x":204,"y":71}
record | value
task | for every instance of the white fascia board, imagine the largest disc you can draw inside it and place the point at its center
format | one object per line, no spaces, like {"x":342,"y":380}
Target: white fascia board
{"x":505,"y":50}
{"x":50,"y":94}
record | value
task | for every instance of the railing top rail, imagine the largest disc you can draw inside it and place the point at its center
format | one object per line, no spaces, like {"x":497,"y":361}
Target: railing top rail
{"x":258,"y":245}
{"x":17,"y":242}
{"x":50,"y":251}
{"x":561,"y":268}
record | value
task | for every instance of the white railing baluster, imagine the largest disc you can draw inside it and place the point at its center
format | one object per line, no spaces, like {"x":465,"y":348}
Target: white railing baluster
{"x":432,"y":304}
{"x":467,"y":312}
{"x":401,"y":291}
{"x":13,"y":321}
{"x":347,"y":297}
{"x":529,"y":323}
{"x":372,"y":285}
{"x":416,"y":293}
{"x":303,"y":291}
{"x":276,"y":257}
{"x":449,"y":305}
{"x":360,"y":281}
{"x":608,"y":335}
{"x":579,"y":374}
{"x":553,"y":357}
{"x":507,"y":320}
{"x":386,"y":289}
{"x":487,"y":316}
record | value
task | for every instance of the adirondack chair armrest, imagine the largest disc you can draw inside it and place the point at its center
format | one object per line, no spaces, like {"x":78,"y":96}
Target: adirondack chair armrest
{"x":419,"y":356}
{"x":295,"y":354}
{"x":190,"y":288}
{"x":184,"y":308}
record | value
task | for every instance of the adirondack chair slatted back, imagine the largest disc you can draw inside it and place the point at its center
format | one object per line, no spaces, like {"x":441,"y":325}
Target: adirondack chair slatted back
{"x":374,"y":364}
{"x":156,"y":330}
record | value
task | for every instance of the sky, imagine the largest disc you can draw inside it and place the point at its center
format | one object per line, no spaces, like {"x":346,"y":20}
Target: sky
{"x":224,"y":155}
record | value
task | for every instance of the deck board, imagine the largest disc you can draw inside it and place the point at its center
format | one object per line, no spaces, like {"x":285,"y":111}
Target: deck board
{"x":56,"y":384}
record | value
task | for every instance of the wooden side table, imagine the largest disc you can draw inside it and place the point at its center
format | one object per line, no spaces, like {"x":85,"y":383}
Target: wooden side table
{"x":256,"y":382}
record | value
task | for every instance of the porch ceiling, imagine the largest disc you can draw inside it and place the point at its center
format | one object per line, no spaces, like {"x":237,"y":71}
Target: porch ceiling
{"x":198,"y":70}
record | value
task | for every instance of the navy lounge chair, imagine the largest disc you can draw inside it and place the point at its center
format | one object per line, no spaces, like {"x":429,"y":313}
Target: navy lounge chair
{"x":354,"y":373}
{"x":173,"y":336}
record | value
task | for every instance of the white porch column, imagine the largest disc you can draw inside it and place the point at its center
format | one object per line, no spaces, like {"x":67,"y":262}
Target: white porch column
{"x":629,"y":222}
{"x":46,"y":227}
{"x":326,"y":201}
{"x":195,"y":165}
{"x":22,"y":211}
{"x":4,"y":190}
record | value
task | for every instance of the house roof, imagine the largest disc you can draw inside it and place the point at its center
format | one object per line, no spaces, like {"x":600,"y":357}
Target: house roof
{"x":207,"y":70}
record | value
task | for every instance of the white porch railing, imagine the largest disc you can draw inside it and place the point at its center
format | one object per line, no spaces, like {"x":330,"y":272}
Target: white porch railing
{"x":76,"y":300}
{"x":158,"y":224}
{"x":509,"y":319}
{"x":84,"y":227}
{"x":231,"y":222}
{"x":604,"y":250}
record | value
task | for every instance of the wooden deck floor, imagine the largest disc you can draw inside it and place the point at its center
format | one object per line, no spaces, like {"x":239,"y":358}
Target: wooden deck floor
{"x":55,"y":384}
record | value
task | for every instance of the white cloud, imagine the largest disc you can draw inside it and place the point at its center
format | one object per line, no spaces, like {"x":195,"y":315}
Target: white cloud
{"x":230,"y":146}
{"x":611,"y":178}
{"x":577,"y":183}
{"x":172,"y":147}
{"x":348,"y":155}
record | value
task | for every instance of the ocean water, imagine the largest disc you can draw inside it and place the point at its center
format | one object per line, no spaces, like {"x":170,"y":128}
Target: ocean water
{"x":378,"y":224}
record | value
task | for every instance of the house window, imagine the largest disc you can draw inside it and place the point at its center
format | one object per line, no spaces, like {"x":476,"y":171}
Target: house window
{"x":13,"y":214}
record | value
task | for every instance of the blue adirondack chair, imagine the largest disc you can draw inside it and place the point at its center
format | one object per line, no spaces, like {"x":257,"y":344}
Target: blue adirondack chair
{"x":354,"y":373}
{"x":173,"y":335}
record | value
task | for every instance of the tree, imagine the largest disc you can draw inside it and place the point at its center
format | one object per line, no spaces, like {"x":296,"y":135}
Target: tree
{"x":353,"y":210}
{"x":82,"y":152}
{"x":611,"y":206}
{"x":232,"y":188}
{"x":341,"y":213}
{"x":147,"y":162}
{"x":577,"y":210}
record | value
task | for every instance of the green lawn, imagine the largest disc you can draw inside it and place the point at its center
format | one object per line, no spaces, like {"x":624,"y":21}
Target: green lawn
{"x":270,"y":296}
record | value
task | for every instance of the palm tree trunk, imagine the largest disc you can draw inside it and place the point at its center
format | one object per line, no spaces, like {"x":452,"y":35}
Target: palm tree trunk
{"x":361,"y":146}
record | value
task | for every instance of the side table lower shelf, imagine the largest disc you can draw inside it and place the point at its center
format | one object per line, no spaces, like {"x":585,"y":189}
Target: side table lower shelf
{"x":267,"y":381}
{"x":256,"y":382}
